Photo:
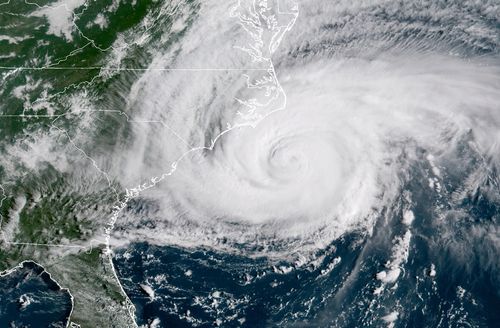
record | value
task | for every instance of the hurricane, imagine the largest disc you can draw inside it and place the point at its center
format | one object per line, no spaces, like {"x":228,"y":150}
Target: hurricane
{"x":347,"y":128}
{"x":309,"y":164}
{"x":310,"y":141}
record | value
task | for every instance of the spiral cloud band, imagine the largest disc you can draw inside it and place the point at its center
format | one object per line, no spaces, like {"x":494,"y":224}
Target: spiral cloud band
{"x":292,"y":145}
{"x":253,"y":163}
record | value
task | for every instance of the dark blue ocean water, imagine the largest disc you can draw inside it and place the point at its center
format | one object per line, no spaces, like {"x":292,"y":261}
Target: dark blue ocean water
{"x":204,"y":288}
{"x":30,"y":298}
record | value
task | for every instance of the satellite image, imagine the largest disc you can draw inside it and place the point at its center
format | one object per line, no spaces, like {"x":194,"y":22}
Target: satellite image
{"x":249,"y":163}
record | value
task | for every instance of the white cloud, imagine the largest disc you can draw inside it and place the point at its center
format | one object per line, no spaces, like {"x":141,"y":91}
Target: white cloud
{"x":60,"y":17}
